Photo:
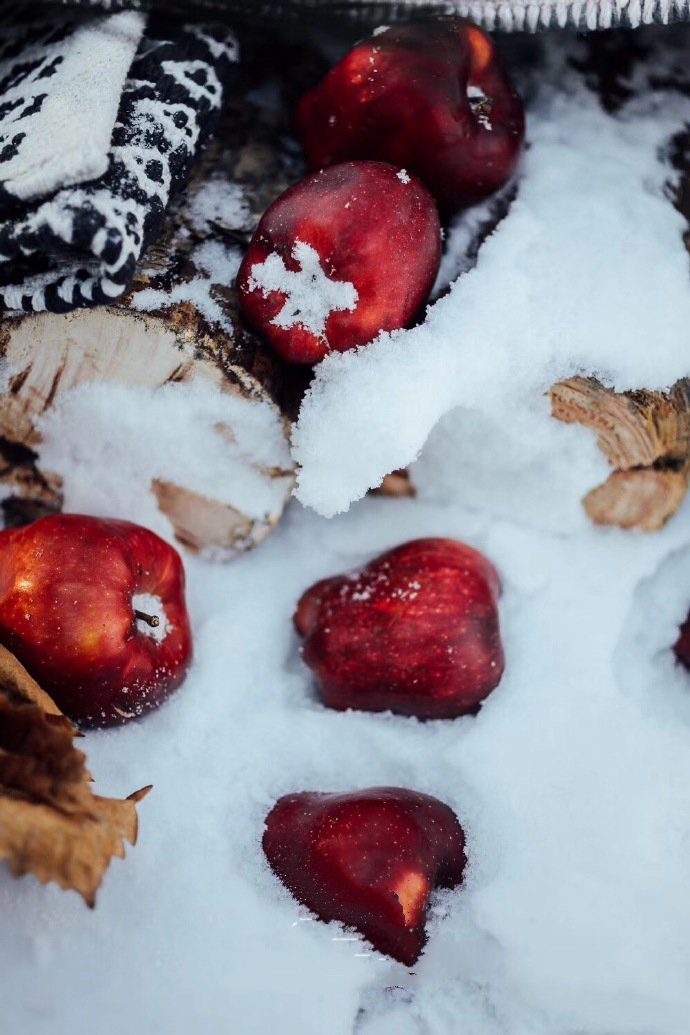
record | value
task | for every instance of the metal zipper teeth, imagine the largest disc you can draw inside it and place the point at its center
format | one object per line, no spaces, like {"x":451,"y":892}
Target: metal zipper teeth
{"x":581,"y":14}
{"x":507,"y":15}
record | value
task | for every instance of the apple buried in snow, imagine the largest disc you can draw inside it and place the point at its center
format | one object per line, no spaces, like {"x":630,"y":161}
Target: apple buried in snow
{"x":95,"y":611}
{"x":415,"y":632}
{"x":369,"y":859}
{"x":340,"y":256}
{"x":431,"y":96}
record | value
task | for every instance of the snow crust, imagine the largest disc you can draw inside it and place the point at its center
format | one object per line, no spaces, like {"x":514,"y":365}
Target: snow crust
{"x":587,"y":274}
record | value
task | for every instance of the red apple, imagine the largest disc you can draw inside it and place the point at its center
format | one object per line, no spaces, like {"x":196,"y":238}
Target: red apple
{"x":369,"y":859}
{"x":95,"y":610}
{"x":431,"y":96}
{"x":414,"y":632}
{"x":340,"y":256}
{"x":682,"y":644}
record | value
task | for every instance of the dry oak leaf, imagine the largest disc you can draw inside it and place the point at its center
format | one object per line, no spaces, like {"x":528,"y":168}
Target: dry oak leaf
{"x":51,"y":822}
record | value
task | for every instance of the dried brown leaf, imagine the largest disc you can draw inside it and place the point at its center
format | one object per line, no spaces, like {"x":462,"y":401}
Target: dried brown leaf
{"x":51,"y":822}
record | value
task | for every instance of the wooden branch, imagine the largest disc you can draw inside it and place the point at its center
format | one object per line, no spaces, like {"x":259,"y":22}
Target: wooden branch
{"x":645,"y":436}
{"x":398,"y":484}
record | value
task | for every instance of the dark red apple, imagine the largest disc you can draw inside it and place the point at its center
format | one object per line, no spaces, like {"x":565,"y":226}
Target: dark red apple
{"x":369,"y":859}
{"x":431,"y":96}
{"x":95,"y":610}
{"x":340,"y":256}
{"x":414,"y":632}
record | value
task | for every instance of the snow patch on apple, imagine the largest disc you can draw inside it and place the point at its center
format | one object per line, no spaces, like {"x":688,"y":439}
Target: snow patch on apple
{"x":149,"y":604}
{"x":561,"y":287}
{"x":480,"y":105}
{"x":310,"y":294}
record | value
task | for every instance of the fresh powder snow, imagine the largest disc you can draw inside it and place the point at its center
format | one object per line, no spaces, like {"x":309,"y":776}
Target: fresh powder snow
{"x":310,"y":294}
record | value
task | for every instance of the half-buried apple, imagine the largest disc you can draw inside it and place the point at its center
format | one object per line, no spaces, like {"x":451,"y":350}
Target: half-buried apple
{"x":95,"y":611}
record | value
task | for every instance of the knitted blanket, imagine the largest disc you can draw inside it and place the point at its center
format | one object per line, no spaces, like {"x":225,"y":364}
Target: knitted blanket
{"x":93,"y":146}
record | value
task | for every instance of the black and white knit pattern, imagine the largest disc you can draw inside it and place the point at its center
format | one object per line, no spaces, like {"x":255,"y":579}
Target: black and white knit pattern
{"x":80,"y":246}
{"x":60,"y":84}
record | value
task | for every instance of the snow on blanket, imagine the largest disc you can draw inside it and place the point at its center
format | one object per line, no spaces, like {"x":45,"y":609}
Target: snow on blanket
{"x":587,"y":274}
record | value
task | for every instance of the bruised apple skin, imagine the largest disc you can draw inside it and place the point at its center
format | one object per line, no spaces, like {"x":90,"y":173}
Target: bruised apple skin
{"x":95,"y":611}
{"x":431,"y":96}
{"x":368,"y":859}
{"x":340,"y":256}
{"x":415,"y":632}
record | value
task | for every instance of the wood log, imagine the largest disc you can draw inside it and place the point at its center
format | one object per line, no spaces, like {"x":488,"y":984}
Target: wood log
{"x":50,"y":356}
{"x":645,"y":436}
{"x":178,"y":329}
{"x":398,"y":484}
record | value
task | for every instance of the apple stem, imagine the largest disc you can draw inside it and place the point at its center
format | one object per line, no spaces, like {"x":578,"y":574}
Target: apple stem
{"x":152,"y":620}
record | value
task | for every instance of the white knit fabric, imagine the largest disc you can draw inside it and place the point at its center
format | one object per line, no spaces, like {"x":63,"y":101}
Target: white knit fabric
{"x":57,"y":118}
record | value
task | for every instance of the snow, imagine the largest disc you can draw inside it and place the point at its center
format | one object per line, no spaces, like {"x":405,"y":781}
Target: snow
{"x":218,"y":264}
{"x":572,"y":784}
{"x":177,"y":433}
{"x":573,"y":781}
{"x":217,"y":202}
{"x":149,"y":604}
{"x":310,"y":294}
{"x":587,"y":274}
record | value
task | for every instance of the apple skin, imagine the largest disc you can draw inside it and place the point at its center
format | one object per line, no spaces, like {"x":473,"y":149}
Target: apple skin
{"x":66,"y":588}
{"x":415,"y":632}
{"x":401,"y":96}
{"x":372,"y":227}
{"x":369,"y":859}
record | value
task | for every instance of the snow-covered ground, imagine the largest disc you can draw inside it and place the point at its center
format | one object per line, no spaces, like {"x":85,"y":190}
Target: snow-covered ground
{"x":573,"y":785}
{"x":573,"y":781}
